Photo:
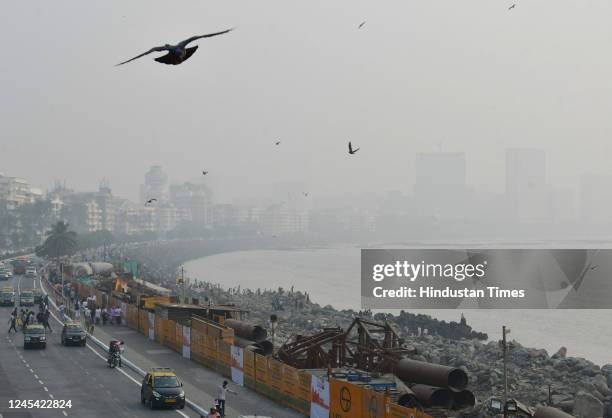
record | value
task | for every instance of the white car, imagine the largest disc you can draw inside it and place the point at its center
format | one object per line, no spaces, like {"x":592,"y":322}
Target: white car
{"x":30,"y":272}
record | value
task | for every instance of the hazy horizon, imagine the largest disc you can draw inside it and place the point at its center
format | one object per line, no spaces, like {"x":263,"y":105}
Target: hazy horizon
{"x":421,"y":76}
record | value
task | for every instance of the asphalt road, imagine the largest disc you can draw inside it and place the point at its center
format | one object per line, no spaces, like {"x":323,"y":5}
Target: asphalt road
{"x":77,"y":374}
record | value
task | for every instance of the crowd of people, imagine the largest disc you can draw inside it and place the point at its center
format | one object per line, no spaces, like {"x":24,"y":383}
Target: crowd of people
{"x":21,"y":318}
{"x":94,"y":314}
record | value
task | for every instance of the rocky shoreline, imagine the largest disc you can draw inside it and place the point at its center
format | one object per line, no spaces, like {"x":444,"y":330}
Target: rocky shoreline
{"x":577,"y":386}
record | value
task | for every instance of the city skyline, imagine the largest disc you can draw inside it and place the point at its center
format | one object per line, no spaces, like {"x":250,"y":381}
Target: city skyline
{"x":478,"y":80}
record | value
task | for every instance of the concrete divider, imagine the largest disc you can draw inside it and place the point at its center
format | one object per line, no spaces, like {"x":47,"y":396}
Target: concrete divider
{"x":195,"y":407}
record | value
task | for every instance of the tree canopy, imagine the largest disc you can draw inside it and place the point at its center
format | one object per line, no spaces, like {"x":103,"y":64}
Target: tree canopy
{"x":60,"y":242}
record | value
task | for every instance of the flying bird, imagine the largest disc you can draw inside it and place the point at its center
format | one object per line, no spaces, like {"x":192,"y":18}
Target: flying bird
{"x":361,"y":25}
{"x":305,"y":194}
{"x":148,"y":202}
{"x":176,"y":53}
{"x":204,"y":173}
{"x":277,"y":143}
{"x":512,"y":7}
{"x":351,"y":150}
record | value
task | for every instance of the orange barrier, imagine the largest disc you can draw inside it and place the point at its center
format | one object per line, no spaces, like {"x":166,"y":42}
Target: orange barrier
{"x":211,"y":346}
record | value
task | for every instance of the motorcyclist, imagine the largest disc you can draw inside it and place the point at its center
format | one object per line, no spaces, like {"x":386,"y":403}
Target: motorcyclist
{"x":114,"y":348}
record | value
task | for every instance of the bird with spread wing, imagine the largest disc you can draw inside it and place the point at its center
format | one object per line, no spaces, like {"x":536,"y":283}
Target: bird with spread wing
{"x":178,"y":53}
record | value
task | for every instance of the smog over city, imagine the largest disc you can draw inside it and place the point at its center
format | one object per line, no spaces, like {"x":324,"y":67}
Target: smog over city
{"x":435,"y":170}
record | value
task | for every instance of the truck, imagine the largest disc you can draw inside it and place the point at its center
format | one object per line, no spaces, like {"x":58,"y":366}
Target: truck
{"x":26,"y":298}
{"x":19,"y":266}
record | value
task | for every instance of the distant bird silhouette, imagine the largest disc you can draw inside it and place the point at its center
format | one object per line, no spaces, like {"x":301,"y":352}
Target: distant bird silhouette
{"x":176,"y":53}
{"x":305,"y":194}
{"x":148,"y":202}
{"x":277,"y":143}
{"x":589,"y":267}
{"x":204,"y":173}
{"x":361,"y":25}
{"x":512,"y":7}
{"x":351,"y":150}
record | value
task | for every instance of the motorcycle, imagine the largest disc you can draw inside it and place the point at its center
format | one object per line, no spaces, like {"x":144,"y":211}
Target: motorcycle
{"x":113,"y":360}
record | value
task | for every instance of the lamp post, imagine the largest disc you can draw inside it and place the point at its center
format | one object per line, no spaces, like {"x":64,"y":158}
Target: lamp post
{"x":505,"y":351}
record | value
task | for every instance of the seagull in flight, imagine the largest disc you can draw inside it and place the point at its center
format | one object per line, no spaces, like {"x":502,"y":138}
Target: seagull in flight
{"x":277,"y":143}
{"x":361,"y":25}
{"x":351,"y":150}
{"x":512,"y":7}
{"x":176,"y":53}
{"x":204,"y":173}
{"x":148,"y":202}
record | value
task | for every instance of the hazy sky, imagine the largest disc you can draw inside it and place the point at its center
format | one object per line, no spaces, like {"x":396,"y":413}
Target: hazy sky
{"x":472,"y":75}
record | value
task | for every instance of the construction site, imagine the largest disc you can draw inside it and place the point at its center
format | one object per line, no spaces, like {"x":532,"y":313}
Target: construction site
{"x":365,"y":370}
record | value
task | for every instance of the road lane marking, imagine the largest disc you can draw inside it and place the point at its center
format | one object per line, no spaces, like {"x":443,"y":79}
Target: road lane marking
{"x":51,"y":396}
{"x":46,"y":390}
{"x":130,"y":377}
{"x":41,"y":382}
{"x":65,"y":414}
{"x":181,"y":413}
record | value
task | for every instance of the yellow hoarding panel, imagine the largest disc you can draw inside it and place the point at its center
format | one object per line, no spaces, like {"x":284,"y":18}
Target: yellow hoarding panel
{"x":396,"y":411}
{"x":373,"y":404}
{"x":276,"y":375}
{"x":303,"y":387}
{"x":290,"y":381}
{"x":346,"y":400}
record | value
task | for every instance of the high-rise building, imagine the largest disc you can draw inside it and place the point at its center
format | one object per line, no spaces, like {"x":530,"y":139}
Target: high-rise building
{"x":596,"y":199}
{"x":526,"y":187}
{"x":15,"y":191}
{"x":194,"y":198}
{"x":440,"y":188}
{"x":155,"y":185}
{"x":280,"y":219}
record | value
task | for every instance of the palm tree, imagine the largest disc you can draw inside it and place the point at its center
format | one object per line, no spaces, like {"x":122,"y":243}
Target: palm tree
{"x":60,"y":242}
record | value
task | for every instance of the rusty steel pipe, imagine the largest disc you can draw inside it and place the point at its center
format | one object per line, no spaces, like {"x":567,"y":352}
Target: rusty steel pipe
{"x":407,"y":398}
{"x":430,"y":396}
{"x":247,"y":331}
{"x":548,"y":412}
{"x":463,"y":399}
{"x":264,"y":348}
{"x":420,"y":372}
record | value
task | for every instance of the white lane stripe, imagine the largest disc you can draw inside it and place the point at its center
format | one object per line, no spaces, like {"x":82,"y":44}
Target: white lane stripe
{"x":41,"y":382}
{"x":51,"y":396}
{"x":65,"y":414}
{"x":46,"y":390}
{"x":181,"y":413}
{"x":36,"y":376}
{"x":31,"y":371}
{"x":130,"y":377}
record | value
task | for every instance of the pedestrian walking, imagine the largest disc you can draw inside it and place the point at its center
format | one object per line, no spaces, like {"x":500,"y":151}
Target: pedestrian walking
{"x":45,"y":319}
{"x":98,"y":315}
{"x":221,"y":394}
{"x":13,"y":322}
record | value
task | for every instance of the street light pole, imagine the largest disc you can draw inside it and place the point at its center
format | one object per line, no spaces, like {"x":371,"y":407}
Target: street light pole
{"x":505,"y":350}
{"x":183,"y":283}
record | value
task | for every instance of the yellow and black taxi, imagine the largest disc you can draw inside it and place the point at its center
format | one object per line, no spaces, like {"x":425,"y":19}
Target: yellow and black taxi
{"x":73,"y":333}
{"x":34,"y":336}
{"x":161,"y":388}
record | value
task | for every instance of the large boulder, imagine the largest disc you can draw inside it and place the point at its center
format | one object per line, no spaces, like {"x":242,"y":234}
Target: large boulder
{"x":561,"y":353}
{"x":587,"y":406}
